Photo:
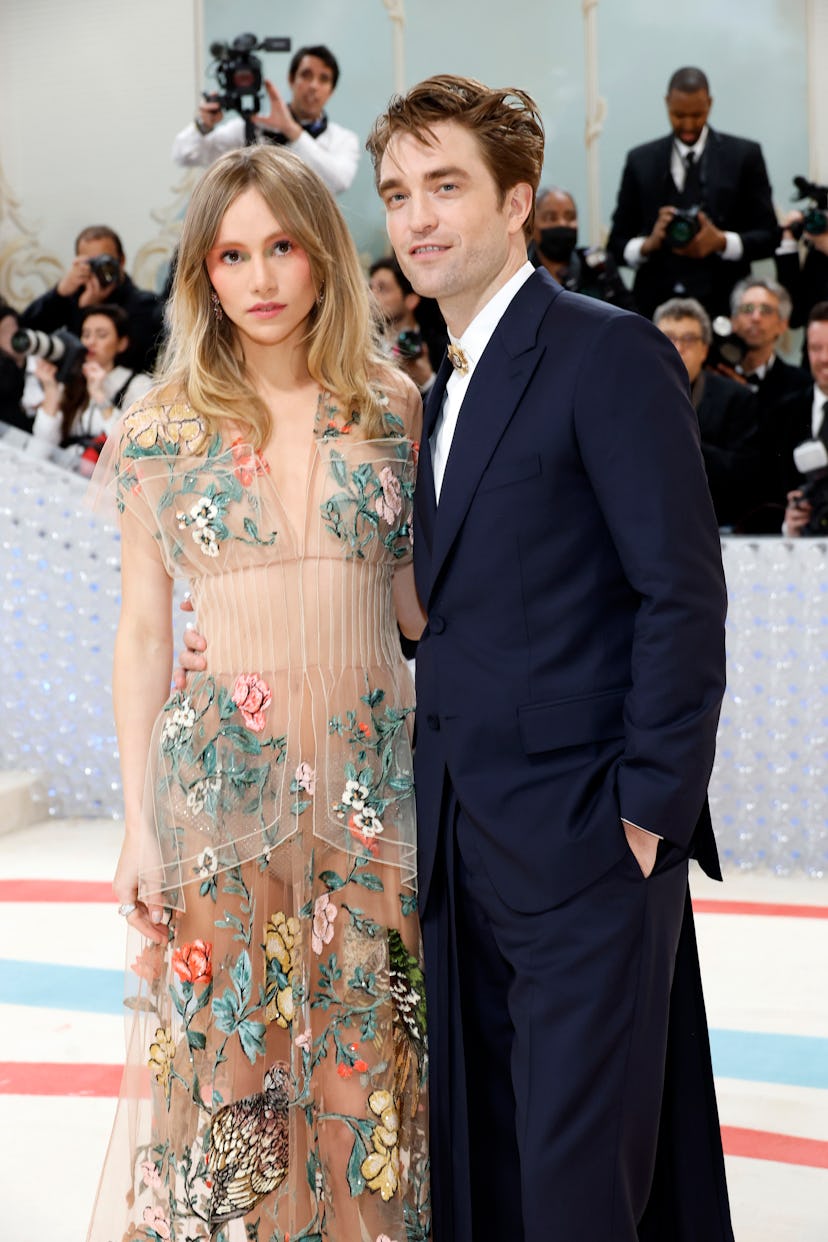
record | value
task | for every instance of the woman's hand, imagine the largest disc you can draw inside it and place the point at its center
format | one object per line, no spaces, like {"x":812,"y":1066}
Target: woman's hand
{"x":150,"y":919}
{"x":94,"y":374}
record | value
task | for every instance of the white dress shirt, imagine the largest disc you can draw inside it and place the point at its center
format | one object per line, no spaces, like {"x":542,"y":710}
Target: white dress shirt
{"x":818,"y":412}
{"x":473,"y":341}
{"x":678,"y":171}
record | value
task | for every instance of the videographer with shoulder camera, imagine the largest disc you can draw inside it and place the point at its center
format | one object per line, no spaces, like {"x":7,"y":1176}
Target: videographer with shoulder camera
{"x":581,"y":269}
{"x":804,"y":460}
{"x":694,"y":209}
{"x":98,"y":276}
{"x":302,"y":124}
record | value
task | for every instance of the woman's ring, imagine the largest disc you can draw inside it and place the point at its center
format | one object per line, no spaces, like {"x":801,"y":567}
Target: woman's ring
{"x":126,"y":909}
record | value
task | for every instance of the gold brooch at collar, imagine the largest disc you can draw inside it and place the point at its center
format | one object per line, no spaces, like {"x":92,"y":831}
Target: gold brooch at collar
{"x":457,"y":358}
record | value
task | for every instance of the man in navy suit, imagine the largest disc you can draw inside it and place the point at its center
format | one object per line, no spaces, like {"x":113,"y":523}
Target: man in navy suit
{"x":569,"y":681}
{"x":719,"y":178}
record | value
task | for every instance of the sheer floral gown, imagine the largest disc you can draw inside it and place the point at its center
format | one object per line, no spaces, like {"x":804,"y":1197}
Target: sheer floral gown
{"x":275,"y":1087}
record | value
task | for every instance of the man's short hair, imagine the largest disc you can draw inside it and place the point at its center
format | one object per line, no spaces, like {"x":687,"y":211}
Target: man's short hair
{"x":772,"y":287}
{"x":688,"y":80}
{"x":100,"y":232}
{"x":685,"y":308}
{"x":818,"y":313}
{"x":505,"y":122}
{"x":388,"y":263}
{"x":321,"y":53}
{"x":546,"y":190}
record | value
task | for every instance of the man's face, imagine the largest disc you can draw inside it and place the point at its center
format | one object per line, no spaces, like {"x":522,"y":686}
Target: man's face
{"x":686,"y":335}
{"x":452,"y":236}
{"x":312,"y":85}
{"x":818,"y":354}
{"x":688,"y":112}
{"x":554,"y":211}
{"x":757,"y":320}
{"x":390,"y":297}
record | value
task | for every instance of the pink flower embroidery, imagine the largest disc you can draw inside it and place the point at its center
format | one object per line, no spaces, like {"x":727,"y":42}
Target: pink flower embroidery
{"x":304,"y":1040}
{"x":156,"y":1220}
{"x":149,"y":1173}
{"x":305,"y":777}
{"x":247,"y":464}
{"x":324,"y":913}
{"x":193,"y":962}
{"x":389,"y":504}
{"x":252,"y":697}
{"x":149,"y":963}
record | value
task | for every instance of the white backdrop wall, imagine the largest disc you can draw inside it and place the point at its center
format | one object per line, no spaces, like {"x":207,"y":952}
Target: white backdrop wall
{"x":92,"y":92}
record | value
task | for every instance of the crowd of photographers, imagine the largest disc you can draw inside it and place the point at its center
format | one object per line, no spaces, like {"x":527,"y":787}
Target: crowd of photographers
{"x":694,"y":210}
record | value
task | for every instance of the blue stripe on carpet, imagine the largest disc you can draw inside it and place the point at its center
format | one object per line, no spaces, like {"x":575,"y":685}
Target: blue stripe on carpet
{"x":794,"y":1060}
{"x":46,"y":986}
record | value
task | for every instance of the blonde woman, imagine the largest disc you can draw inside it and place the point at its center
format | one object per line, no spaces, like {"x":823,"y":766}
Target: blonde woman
{"x":275,"y":1086}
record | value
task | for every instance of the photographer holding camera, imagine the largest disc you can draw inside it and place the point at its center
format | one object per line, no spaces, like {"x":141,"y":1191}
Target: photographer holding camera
{"x":301,"y":124}
{"x":588,"y":270}
{"x":412,"y":330}
{"x":803,"y":454}
{"x":97,"y":276}
{"x":802,"y":255}
{"x":694,"y":209}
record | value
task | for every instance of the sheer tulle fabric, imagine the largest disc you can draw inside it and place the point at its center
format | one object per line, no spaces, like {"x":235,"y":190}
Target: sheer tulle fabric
{"x":275,"y":1085}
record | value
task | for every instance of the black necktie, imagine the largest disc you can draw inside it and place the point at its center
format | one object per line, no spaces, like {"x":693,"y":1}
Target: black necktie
{"x":692,"y":179}
{"x":822,"y":434}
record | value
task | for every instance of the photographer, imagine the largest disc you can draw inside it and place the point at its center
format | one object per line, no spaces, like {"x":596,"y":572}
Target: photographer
{"x":301,"y":124}
{"x":12,"y":373}
{"x":98,"y":276}
{"x":82,"y":410}
{"x":804,"y":452}
{"x":694,"y":208}
{"x":727,"y":413}
{"x":591,"y":271}
{"x":412,"y":330}
{"x":802,"y":254}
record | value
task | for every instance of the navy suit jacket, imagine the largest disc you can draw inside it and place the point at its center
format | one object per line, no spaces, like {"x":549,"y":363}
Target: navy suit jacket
{"x":736,"y":195}
{"x":572,"y":668}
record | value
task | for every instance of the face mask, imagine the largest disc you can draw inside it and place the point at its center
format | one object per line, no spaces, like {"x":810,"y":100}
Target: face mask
{"x":557,"y":244}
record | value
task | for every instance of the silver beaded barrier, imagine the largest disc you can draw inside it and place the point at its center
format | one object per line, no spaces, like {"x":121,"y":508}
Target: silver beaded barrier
{"x":59,"y":566}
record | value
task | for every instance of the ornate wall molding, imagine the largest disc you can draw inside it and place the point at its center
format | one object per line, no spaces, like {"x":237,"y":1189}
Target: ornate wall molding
{"x":26,"y":270}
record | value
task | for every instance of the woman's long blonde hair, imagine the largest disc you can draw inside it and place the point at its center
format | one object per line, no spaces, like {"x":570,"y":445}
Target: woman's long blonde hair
{"x":203,"y":356}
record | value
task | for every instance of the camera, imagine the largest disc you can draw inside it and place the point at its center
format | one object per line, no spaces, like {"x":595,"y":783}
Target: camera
{"x":409,"y":344}
{"x":815,"y":491}
{"x":815,"y":216}
{"x":239,"y":72}
{"x":106,"y":269}
{"x":683,"y":227}
{"x":61,"y":348}
{"x":725,"y":346}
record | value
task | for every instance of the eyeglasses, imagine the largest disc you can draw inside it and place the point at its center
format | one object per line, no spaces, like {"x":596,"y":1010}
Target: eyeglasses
{"x":686,"y":338}
{"x":749,"y":308}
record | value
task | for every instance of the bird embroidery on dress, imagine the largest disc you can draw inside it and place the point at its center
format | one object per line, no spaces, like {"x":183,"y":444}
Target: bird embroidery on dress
{"x":248,"y":1155}
{"x":407,"y":984}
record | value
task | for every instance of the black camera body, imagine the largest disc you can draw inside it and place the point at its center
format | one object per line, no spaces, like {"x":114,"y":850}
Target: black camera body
{"x":815,"y":491}
{"x":725,"y":346}
{"x":61,"y":348}
{"x":239,"y":72}
{"x":106,"y":269}
{"x":815,"y":216}
{"x":409,"y":343}
{"x":682,"y":228}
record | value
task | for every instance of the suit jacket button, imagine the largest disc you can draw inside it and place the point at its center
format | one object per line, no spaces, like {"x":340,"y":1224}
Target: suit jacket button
{"x":433,"y":722}
{"x":436,"y":624}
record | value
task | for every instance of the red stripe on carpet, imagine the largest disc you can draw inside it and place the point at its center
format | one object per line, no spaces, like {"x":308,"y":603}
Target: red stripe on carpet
{"x":770,"y":909}
{"x":781,"y":1148}
{"x":86,"y":891}
{"x":30,"y":1078}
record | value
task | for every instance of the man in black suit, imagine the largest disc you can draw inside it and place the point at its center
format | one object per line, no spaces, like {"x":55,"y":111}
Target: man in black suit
{"x":726,"y":410}
{"x":802,"y":440}
{"x":721,"y":181}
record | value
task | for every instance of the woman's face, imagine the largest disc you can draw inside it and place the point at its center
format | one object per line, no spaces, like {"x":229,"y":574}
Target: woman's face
{"x":261,"y":275}
{"x":100,"y":337}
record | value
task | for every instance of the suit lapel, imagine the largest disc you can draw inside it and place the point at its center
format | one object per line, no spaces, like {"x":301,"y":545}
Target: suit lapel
{"x":425,"y":504}
{"x":494,"y":392}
